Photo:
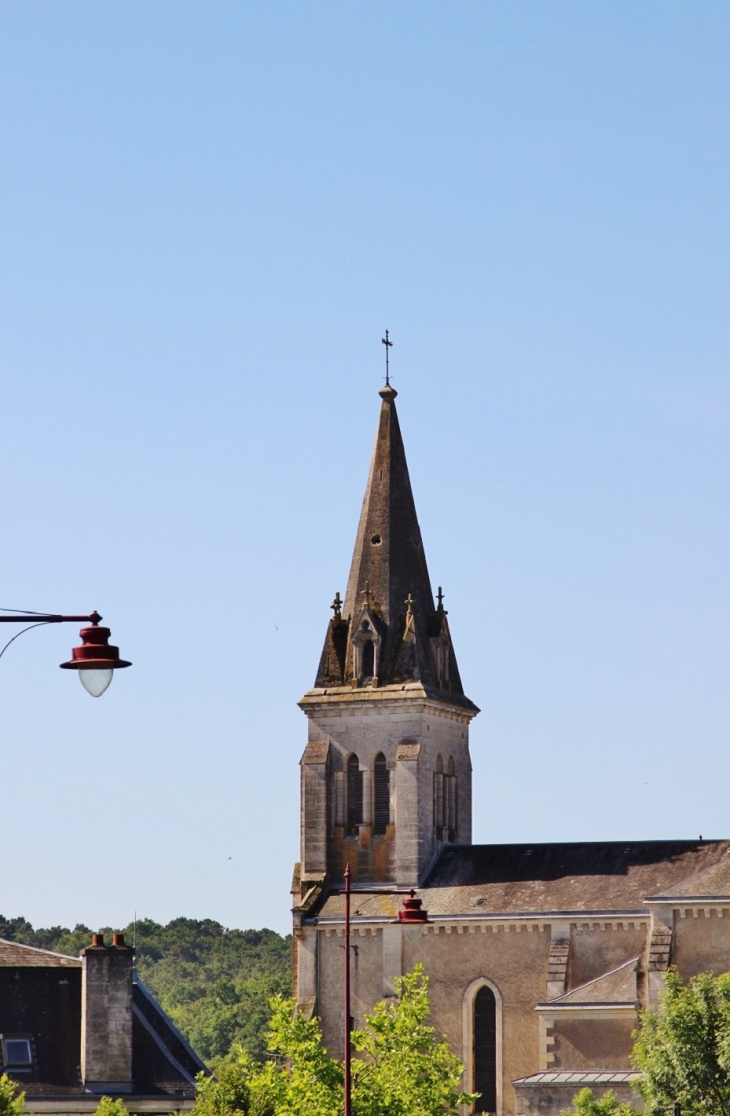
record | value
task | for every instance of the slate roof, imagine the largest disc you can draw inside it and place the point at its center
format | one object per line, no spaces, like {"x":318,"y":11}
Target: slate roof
{"x":580,"y":876}
{"x":584,"y":1078}
{"x":389,"y":566}
{"x":613,"y":876}
{"x":709,"y":882}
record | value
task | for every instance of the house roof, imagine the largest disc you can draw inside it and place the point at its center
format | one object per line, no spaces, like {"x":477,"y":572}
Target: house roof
{"x":605,"y":876}
{"x":40,"y":997}
{"x":14,"y":953}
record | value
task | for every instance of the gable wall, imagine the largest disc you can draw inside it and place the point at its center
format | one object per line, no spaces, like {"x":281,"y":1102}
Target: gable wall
{"x":701,"y":941}
{"x":598,"y":947}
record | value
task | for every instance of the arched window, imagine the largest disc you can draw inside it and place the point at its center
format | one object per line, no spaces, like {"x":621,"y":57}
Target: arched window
{"x":452,"y":800}
{"x":438,"y":796}
{"x":354,"y":795}
{"x":368,"y":659}
{"x":485,"y":1050}
{"x":381,"y":795}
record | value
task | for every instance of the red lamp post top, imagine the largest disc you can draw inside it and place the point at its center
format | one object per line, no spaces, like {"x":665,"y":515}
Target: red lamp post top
{"x":95,"y":651}
{"x":412,"y":912}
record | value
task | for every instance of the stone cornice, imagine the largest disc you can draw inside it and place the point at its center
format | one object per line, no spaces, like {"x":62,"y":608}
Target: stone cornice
{"x":347,"y":697}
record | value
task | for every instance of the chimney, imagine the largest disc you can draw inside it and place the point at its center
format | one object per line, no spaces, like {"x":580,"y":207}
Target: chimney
{"x":106,"y":1016}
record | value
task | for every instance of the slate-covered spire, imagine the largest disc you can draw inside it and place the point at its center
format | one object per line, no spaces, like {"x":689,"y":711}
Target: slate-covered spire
{"x":387,"y":630}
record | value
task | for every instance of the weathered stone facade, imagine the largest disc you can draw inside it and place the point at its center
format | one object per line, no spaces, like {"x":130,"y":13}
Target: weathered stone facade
{"x":569,"y":940}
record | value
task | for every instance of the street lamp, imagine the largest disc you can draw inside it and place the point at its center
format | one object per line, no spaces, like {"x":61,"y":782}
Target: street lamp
{"x":412,"y":916}
{"x":95,"y":659}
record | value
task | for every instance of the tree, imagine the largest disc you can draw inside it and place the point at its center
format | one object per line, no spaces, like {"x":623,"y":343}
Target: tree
{"x":12,"y":1101}
{"x":405,"y":1070}
{"x":683,"y":1049}
{"x":109,"y":1107}
{"x":587,"y":1103}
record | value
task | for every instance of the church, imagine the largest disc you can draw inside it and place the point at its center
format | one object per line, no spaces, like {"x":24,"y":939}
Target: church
{"x":540,"y":956}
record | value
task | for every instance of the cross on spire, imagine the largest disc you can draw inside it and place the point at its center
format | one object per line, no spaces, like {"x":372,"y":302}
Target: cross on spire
{"x":388,"y":345}
{"x":366,"y":594}
{"x":336,"y":607}
{"x":440,"y":598}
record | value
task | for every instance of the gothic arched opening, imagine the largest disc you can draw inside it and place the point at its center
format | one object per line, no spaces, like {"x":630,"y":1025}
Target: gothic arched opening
{"x":368,"y":659}
{"x":485,"y":1050}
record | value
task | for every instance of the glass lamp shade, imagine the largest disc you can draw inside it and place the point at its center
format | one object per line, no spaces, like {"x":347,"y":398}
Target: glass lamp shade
{"x":95,"y":682}
{"x":413,"y":931}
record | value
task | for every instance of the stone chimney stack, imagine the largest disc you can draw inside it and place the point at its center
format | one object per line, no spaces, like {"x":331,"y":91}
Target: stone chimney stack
{"x":106,"y":1015}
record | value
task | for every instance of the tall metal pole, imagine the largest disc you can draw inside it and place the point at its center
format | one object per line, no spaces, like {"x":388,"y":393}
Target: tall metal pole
{"x":348,"y":1096}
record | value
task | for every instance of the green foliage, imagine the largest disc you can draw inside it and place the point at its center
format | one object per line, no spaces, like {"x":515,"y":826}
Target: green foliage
{"x":12,"y":1101}
{"x":229,"y":1092}
{"x":404,"y":1070}
{"x":683,"y":1048}
{"x":215,"y":984}
{"x":109,"y":1107}
{"x":587,"y":1103}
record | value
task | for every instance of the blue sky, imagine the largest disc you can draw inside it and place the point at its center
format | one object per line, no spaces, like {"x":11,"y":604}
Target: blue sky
{"x":209,"y":213}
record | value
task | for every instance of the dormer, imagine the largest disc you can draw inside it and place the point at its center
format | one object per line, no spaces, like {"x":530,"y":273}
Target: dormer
{"x":366,"y":649}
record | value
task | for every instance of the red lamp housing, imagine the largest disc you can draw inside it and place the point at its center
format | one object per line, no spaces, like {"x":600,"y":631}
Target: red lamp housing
{"x":412,"y":912}
{"x":96,"y":659}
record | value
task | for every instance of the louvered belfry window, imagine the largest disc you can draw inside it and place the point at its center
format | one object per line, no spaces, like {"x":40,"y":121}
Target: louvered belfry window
{"x":354,"y":795}
{"x":438,"y":795}
{"x":452,"y":800}
{"x":381,"y":795}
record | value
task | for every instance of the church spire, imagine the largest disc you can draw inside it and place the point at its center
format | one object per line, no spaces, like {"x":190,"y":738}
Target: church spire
{"x":388,"y":630}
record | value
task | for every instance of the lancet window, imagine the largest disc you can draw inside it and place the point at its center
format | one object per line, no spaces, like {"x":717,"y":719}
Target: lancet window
{"x":485,"y":1050}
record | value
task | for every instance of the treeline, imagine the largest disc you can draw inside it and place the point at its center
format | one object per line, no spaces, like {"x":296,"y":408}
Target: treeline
{"x":214,"y":983}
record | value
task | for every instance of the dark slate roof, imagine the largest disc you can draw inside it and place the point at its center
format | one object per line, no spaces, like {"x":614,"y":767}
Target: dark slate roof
{"x":388,"y":566}
{"x":581,"y":876}
{"x":571,"y":877}
{"x":169,"y":1056}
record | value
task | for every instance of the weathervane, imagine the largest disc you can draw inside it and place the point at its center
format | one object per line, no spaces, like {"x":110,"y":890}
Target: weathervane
{"x":388,"y":345}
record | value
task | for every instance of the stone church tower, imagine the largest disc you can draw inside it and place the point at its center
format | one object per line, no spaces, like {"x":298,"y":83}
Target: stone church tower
{"x":386,"y":774}
{"x":540,"y":956}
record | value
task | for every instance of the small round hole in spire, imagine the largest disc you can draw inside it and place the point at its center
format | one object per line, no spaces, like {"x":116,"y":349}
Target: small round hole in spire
{"x":376,"y":540}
